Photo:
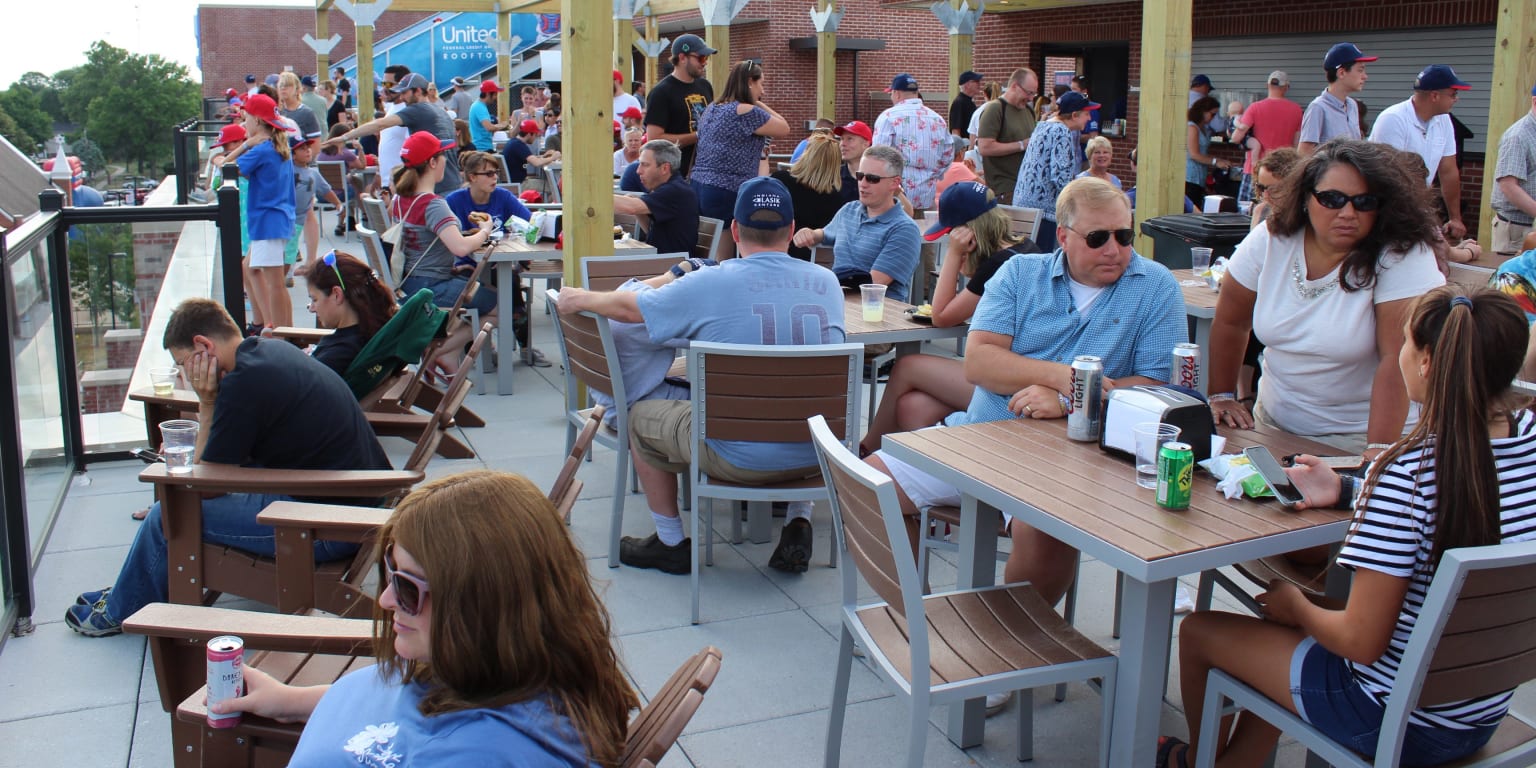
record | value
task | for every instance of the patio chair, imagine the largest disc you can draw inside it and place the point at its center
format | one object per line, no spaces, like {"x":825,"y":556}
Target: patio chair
{"x":552,"y":184}
{"x":335,"y":174}
{"x":710,"y":233}
{"x":605,"y":273}
{"x":969,"y":643}
{"x":1472,"y":639}
{"x":1024,"y":222}
{"x":567,"y":488}
{"x":373,"y":251}
{"x":376,"y":213}
{"x":653,"y":732}
{"x":765,"y":393}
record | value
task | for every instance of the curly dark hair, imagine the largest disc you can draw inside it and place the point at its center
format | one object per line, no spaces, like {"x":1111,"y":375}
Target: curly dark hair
{"x":1201,"y":106}
{"x":1400,"y":220}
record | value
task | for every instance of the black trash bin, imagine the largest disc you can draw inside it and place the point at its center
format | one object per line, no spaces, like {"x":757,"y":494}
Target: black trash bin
{"x":1173,"y":236}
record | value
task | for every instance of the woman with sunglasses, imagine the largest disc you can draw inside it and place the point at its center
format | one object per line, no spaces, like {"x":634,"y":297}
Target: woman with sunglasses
{"x":1325,"y":284}
{"x":492,"y":647}
{"x":346,"y":295}
{"x":734,"y":133}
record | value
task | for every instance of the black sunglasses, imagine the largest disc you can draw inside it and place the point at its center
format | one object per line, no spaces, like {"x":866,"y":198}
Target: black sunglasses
{"x":410,"y":591}
{"x":1098,"y":237}
{"x":870,"y":177}
{"x":1333,"y":199}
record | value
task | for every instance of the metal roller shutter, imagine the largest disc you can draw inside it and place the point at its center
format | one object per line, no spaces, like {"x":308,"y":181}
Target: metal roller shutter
{"x":1239,"y":67}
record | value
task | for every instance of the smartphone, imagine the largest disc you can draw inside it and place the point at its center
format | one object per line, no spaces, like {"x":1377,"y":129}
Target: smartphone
{"x":1274,"y":475}
{"x":147,"y":456}
{"x":1335,"y":463}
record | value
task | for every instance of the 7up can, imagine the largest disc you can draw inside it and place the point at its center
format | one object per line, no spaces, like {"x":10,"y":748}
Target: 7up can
{"x":1175,"y":475}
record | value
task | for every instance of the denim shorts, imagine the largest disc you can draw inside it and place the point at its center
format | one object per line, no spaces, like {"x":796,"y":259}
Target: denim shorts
{"x":446,"y":292}
{"x":1326,"y":696}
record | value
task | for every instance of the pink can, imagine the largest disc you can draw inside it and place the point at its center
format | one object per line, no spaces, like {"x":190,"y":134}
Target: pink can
{"x":226,"y":677}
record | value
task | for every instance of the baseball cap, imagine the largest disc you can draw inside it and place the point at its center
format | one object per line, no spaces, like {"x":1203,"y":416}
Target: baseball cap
{"x":691,"y":44}
{"x":233,"y":133}
{"x":250,"y":78}
{"x":412,"y":81}
{"x":271,"y":80}
{"x":530,"y":196}
{"x":529,"y":126}
{"x":967,"y":76}
{"x":763,"y":203}
{"x":1204,"y":80}
{"x":632,"y":113}
{"x":230,"y":93}
{"x":958,"y":206}
{"x":1437,"y":77}
{"x":1279,"y":77}
{"x":618,"y":77}
{"x":422,"y":146}
{"x":1072,"y":101}
{"x":458,"y":82}
{"x":1343,"y":55}
{"x":490,"y":86}
{"x":307,"y":80}
{"x":902,"y":82}
{"x":265,"y":110}
{"x":857,"y":128}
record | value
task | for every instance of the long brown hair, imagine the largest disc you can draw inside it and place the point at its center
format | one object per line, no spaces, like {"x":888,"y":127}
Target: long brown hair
{"x":738,"y":85}
{"x":1476,"y":342}
{"x":514,"y":615}
{"x":360,"y":288}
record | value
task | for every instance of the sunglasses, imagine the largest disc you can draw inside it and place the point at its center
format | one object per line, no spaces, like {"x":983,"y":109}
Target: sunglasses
{"x":410,"y":591}
{"x":1098,"y":237}
{"x":330,"y":261}
{"x":870,"y":177}
{"x":1333,"y":199}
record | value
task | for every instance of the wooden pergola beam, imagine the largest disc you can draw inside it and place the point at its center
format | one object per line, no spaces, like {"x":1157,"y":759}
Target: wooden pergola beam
{"x":1165,"y":53}
{"x":1514,"y":71}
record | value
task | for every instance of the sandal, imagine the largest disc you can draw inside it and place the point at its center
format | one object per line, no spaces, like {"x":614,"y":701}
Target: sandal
{"x":1165,"y":758}
{"x":140,"y":514}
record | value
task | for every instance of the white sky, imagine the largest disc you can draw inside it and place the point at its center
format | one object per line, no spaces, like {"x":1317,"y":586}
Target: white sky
{"x":48,"y":43}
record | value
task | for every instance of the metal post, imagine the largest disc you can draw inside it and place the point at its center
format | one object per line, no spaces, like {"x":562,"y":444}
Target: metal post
{"x":15,"y":541}
{"x":179,"y":160}
{"x":64,"y":331}
{"x":112,"y":283}
{"x":228,"y":222}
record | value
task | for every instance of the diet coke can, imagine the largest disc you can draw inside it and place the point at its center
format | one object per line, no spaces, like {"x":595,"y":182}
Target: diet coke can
{"x":1186,"y":366}
{"x":226,"y":677}
{"x":1085,"y":402}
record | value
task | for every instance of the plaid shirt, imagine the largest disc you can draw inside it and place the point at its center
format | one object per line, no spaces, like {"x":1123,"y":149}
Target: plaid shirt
{"x":923,"y":139}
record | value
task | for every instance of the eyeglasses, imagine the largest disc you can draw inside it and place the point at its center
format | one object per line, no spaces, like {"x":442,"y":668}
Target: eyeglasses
{"x":1098,"y":237}
{"x":1259,"y":189}
{"x":870,"y":177}
{"x":330,"y":261}
{"x":484,"y":173}
{"x":410,"y":591}
{"x":1333,"y":199}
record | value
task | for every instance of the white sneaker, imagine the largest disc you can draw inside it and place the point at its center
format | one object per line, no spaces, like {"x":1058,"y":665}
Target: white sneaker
{"x":996,"y":702}
{"x":1182,"y":602}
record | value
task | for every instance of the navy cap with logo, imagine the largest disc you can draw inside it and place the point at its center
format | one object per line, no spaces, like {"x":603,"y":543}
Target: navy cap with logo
{"x":1343,"y":55}
{"x":969,"y":76}
{"x":413,"y":81}
{"x":1438,"y":77}
{"x":250,"y":78}
{"x":1199,"y":80}
{"x":961,"y":204}
{"x":902,"y":82}
{"x":764,"y":203}
{"x":692,"y":45}
{"x":1072,"y":101}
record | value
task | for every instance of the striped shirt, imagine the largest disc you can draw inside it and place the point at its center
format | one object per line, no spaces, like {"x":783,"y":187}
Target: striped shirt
{"x":1394,"y":536}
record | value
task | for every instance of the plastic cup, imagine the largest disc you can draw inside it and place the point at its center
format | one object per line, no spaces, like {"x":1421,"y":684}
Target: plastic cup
{"x":1150,"y":436}
{"x":1199,"y":260}
{"x":1245,"y":207}
{"x":874,"y":302}
{"x":164,"y":380}
{"x":180,"y":441}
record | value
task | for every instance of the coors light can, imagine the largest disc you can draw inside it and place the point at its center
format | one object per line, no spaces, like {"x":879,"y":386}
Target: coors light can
{"x":226,"y":677}
{"x":1085,"y":403}
{"x":1186,"y":366}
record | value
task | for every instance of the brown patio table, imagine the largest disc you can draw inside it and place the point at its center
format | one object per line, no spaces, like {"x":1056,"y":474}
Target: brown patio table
{"x":1089,"y":499}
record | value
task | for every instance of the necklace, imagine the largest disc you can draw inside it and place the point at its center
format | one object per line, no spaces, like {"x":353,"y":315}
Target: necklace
{"x":1310,"y":291}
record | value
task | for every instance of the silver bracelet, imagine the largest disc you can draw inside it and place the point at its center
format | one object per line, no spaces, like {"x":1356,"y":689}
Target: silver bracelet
{"x":1222,"y":396}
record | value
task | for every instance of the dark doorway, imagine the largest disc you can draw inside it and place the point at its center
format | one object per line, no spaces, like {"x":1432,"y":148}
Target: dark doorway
{"x":1107,"y":66}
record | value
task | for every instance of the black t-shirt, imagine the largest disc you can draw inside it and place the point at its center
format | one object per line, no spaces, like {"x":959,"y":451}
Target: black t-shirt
{"x":333,"y":114}
{"x":516,"y":153}
{"x":422,"y":116}
{"x":960,"y":112}
{"x":282,"y":409}
{"x":850,"y":185}
{"x":812,"y":209}
{"x":674,"y":217}
{"x":339,"y":349}
{"x":990,"y":265}
{"x":676,"y":106}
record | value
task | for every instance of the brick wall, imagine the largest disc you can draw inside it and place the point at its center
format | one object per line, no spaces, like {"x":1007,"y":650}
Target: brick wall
{"x":237,"y":40}
{"x":104,"y":391}
{"x":123,"y":347}
{"x":153,"y":245}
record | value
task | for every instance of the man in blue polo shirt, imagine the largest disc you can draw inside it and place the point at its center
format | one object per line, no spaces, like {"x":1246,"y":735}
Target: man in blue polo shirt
{"x":873,"y":239}
{"x":1092,"y":296}
{"x":1333,"y":113}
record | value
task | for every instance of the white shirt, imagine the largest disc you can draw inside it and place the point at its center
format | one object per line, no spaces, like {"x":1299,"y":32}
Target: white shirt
{"x":624,"y":101}
{"x":1320,"y":354}
{"x":619,"y":162}
{"x":390,"y":141}
{"x":1399,"y":126}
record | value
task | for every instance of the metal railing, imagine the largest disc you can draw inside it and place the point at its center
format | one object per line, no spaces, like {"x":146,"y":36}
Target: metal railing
{"x":186,"y":154}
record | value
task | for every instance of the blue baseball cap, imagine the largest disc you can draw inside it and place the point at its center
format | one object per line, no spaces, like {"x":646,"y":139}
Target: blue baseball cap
{"x":1204,"y":80}
{"x":1072,"y":101}
{"x":1343,"y":55}
{"x":691,"y":44}
{"x":764,"y":203}
{"x":962,"y":203}
{"x":967,"y":76}
{"x":902,"y":82}
{"x":1438,"y":77}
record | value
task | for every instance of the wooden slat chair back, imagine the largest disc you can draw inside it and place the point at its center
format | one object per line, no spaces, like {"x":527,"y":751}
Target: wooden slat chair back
{"x":1469,"y":276}
{"x":456,"y":316}
{"x":656,"y":728}
{"x":605,"y":273}
{"x":630,"y":222}
{"x":1476,"y":635}
{"x":335,"y":174}
{"x":709,"y":244}
{"x":764,"y":393}
{"x":375,"y":213}
{"x":966,"y":643}
{"x":567,"y":487}
{"x":1023,"y":222}
{"x":822,"y":255}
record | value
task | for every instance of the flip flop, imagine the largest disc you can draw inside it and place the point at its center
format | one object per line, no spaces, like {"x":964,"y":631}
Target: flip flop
{"x":1165,"y":758}
{"x":140,"y":514}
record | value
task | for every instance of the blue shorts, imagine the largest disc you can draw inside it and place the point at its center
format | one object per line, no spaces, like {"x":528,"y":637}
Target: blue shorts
{"x":1326,"y":696}
{"x":446,"y":292}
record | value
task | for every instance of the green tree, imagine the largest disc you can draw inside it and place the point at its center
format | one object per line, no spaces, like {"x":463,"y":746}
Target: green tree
{"x":13,"y":132}
{"x":130,"y":102}
{"x":99,"y":282}
{"x":91,"y":157}
{"x":22,"y":104}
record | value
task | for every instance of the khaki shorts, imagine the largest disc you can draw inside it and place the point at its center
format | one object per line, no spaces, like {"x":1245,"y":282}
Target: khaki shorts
{"x":1508,"y":238}
{"x":662,"y":435}
{"x":1351,"y":443}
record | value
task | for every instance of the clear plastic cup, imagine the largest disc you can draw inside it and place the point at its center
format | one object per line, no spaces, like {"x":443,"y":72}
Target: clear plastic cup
{"x":164,"y":381}
{"x":1150,"y":436}
{"x":179,"y":438}
{"x":873,"y":302}
{"x":1200,"y":260}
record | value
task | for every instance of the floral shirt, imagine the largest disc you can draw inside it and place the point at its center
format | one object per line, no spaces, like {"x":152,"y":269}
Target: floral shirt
{"x":923,"y":139}
{"x":1049,"y":164}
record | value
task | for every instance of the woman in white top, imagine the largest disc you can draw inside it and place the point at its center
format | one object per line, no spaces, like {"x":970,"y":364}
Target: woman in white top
{"x":1325,"y":283}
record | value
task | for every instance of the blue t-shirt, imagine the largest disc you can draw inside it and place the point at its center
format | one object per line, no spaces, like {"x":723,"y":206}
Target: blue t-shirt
{"x":767,"y":298}
{"x":887,"y":243}
{"x":478,"y":114}
{"x":800,"y":149}
{"x":643,"y":363}
{"x":1133,"y":324}
{"x":516,"y":154}
{"x":269,"y":207}
{"x":368,"y":720}
{"x":501,"y":206}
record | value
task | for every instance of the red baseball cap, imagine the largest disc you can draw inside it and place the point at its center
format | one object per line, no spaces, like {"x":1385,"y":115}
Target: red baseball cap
{"x":490,"y":86}
{"x":531,"y":196}
{"x":422,"y":146}
{"x":618,"y":77}
{"x":265,"y":110}
{"x":632,"y":113}
{"x":529,"y":126}
{"x":857,"y":128}
{"x":234,"y":133}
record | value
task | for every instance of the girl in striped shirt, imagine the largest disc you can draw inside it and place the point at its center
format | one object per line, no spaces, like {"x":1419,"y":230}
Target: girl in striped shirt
{"x":1465,"y":476}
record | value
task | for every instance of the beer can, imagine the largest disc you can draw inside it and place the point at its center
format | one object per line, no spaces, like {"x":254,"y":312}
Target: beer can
{"x":1175,"y":475}
{"x":1085,"y":404}
{"x":1186,"y":366}
{"x":226,"y":677}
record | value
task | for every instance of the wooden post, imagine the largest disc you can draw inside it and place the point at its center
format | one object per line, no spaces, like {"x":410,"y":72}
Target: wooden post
{"x":322,"y":31}
{"x":362,"y":87}
{"x":1165,"y":45}
{"x":960,"y":56}
{"x":718,"y":37}
{"x":1509,"y":98}
{"x":623,"y":45}
{"x":586,"y":35}
{"x":504,"y":69}
{"x":826,"y":18}
{"x":652,"y":70}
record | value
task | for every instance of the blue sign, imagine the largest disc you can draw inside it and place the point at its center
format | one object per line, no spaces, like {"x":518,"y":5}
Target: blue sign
{"x":453,"y":45}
